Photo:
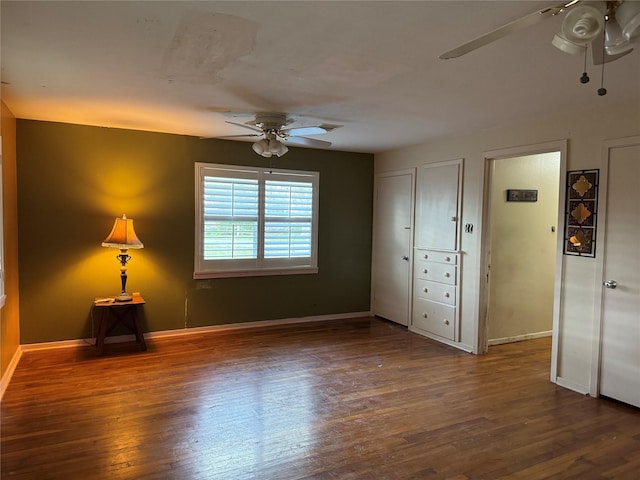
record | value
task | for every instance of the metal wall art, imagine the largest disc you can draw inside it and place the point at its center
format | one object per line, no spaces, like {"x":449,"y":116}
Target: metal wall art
{"x":581,"y":211}
{"x":514,"y":195}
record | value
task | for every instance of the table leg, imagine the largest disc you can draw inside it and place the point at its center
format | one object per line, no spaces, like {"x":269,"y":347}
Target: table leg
{"x":136,"y":330}
{"x":102,"y":331}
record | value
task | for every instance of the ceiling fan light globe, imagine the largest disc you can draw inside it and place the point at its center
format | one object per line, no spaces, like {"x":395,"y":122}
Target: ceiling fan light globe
{"x":614,"y":41}
{"x":583,"y":23}
{"x":567,"y":46}
{"x":628,"y":16}
{"x":274,"y":146}
{"x":283,"y":149}
{"x":260,"y":147}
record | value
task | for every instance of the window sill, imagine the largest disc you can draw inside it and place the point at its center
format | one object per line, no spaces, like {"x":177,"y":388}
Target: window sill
{"x":257,"y":273}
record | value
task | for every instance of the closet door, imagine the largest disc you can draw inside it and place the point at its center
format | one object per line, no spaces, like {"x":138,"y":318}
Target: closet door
{"x":620,"y":356}
{"x":438,"y":205}
{"x":392,"y":246}
{"x":436,"y":268}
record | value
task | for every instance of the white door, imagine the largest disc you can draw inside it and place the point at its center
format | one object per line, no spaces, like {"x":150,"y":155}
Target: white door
{"x":438,"y":205}
{"x":392,"y":246}
{"x":620,"y":356}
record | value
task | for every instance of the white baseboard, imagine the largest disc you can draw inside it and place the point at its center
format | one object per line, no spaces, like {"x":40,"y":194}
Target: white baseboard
{"x":194,"y":330}
{"x":6,"y":378}
{"x":576,"y":387}
{"x":451,"y":343}
{"x":519,"y":338}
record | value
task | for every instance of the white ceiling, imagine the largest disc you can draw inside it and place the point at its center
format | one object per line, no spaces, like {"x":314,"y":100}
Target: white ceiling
{"x":372,"y":67}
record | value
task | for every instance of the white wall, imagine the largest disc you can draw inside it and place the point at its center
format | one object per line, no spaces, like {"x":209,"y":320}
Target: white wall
{"x":585,"y":131}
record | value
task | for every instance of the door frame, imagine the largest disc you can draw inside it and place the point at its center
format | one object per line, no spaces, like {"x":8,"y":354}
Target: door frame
{"x":394,"y":173}
{"x":596,"y":350}
{"x":485,"y":241}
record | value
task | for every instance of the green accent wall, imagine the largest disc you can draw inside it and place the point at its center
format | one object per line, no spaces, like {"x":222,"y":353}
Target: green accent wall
{"x":74,"y":180}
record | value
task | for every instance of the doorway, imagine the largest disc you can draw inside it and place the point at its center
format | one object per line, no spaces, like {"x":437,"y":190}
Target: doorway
{"x":523,"y":218}
{"x":522,"y":252}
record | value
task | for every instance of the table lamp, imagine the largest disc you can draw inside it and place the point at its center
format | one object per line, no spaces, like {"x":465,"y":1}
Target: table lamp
{"x":123,"y":236}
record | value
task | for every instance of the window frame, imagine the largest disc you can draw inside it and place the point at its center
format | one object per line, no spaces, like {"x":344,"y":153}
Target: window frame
{"x":259,"y":266}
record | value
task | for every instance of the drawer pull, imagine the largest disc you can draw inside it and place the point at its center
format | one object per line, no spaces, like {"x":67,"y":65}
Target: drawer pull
{"x":448,"y":259}
{"x":424,"y":315}
{"x":426,"y":256}
{"x":447,"y":274}
{"x":446,"y":295}
{"x":425,"y":271}
{"x":446,"y":322}
{"x":425,"y":289}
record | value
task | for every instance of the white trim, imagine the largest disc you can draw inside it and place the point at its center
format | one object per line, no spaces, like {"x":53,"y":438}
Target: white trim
{"x":576,"y":387}
{"x":264,"y":272}
{"x":547,"y":147}
{"x":80,"y":342}
{"x":446,"y":341}
{"x":519,"y":338}
{"x":596,"y":346}
{"x":11,"y":368}
{"x":196,"y":330}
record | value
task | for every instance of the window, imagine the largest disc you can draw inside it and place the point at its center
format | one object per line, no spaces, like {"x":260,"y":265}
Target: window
{"x":255,"y":221}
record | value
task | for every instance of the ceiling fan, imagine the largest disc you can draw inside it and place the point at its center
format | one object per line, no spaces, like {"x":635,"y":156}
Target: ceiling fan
{"x":610,"y":27}
{"x":274,"y":128}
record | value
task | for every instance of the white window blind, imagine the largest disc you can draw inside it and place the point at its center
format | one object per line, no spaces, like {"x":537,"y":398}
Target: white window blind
{"x":288,"y":219}
{"x":253,"y":221}
{"x":230,"y":218}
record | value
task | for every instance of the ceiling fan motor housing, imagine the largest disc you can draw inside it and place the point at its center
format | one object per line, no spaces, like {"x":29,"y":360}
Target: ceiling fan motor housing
{"x":271,"y":122}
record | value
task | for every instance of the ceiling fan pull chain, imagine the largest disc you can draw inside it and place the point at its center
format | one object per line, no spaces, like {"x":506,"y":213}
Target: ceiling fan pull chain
{"x":603,"y":91}
{"x":585,"y":78}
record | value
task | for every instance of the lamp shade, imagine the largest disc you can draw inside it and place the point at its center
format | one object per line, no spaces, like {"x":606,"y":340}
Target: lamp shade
{"x":123,"y":235}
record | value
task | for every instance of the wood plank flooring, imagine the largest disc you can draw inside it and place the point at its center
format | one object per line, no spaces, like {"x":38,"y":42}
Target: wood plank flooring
{"x":354,"y":399}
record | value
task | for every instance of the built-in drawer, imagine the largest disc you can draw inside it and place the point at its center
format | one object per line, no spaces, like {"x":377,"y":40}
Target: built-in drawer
{"x":434,"y":318}
{"x":439,"y":292}
{"x":439,"y":257}
{"x":436,"y":272}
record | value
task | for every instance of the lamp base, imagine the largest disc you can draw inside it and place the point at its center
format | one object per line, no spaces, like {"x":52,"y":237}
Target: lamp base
{"x":123,"y":297}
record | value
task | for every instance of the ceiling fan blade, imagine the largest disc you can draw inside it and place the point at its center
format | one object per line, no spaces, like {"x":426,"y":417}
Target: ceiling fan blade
{"x":295,"y":131}
{"x":247,"y":135}
{"x":244,"y":125}
{"x":309,"y":142}
{"x":507,"y":29}
{"x":242,"y":136}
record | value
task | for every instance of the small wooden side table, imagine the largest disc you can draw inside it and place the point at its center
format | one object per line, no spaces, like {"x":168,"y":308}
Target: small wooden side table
{"x":124,"y":313}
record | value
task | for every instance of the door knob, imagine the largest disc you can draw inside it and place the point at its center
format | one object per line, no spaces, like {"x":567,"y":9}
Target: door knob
{"x":610,"y":284}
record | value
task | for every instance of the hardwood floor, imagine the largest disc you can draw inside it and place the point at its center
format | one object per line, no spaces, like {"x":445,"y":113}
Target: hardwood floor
{"x":355,"y":399}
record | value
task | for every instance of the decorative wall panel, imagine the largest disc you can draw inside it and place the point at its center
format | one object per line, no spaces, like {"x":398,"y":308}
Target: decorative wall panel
{"x":581,"y":210}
